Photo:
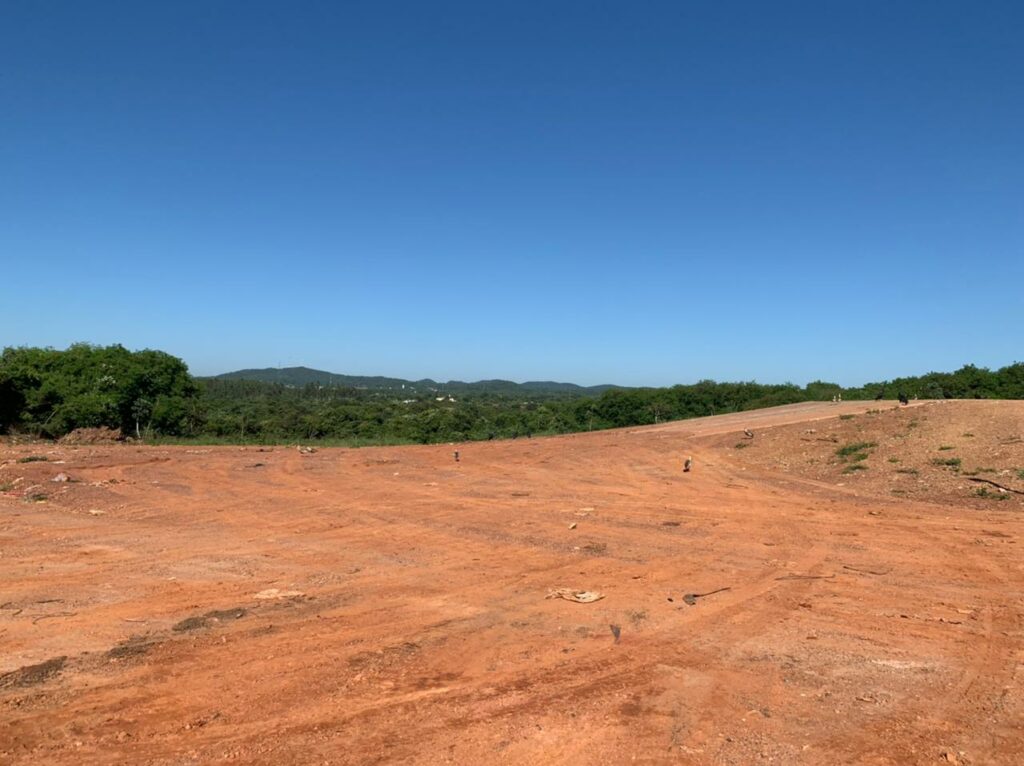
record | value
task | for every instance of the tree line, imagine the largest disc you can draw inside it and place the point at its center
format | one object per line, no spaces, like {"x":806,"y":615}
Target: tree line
{"x":48,"y":393}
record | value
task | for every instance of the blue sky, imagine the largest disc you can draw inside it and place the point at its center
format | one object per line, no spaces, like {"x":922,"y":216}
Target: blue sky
{"x":639,"y":193}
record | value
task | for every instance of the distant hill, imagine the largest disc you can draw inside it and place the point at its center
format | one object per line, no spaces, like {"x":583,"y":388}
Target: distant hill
{"x":303,"y":376}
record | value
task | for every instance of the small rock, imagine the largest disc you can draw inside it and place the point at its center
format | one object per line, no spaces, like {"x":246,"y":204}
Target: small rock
{"x":61,"y":477}
{"x":275,"y":593}
{"x":573,"y":525}
{"x":96,"y":512}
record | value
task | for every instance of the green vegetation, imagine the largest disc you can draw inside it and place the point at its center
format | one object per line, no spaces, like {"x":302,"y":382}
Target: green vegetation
{"x":911,"y":471}
{"x":855,"y":451}
{"x":1020,"y":473}
{"x":847,"y":417}
{"x":990,"y":495}
{"x":952,"y":462}
{"x":49,"y":393}
{"x":150,"y":394}
{"x":855,"y":467}
{"x":7,"y":486}
{"x":741,"y":445}
{"x":894,"y":460}
{"x":33,"y":459}
{"x":946,"y":447}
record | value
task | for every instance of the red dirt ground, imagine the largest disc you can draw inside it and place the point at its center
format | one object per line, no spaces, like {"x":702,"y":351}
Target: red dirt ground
{"x":205,"y":605}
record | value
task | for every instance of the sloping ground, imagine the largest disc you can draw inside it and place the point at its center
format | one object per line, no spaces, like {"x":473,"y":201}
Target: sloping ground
{"x":175,"y":606}
{"x":964,"y":453}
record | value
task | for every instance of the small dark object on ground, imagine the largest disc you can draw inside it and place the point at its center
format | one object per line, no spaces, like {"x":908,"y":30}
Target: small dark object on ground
{"x":996,"y":485}
{"x":903,"y":398}
{"x":805,"y":577}
{"x":691,"y":598}
{"x":616,"y":631}
{"x":688,"y":465}
{"x":867,"y":571}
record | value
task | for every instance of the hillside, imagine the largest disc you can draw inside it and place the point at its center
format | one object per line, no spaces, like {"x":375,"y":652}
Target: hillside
{"x":303,"y":376}
{"x":968,"y":454}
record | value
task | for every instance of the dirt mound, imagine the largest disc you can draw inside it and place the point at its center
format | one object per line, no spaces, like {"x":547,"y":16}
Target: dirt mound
{"x":93,"y":436}
{"x":966,"y":453}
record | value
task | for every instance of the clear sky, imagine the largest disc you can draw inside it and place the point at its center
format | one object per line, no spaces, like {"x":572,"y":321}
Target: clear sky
{"x":627,"y":192}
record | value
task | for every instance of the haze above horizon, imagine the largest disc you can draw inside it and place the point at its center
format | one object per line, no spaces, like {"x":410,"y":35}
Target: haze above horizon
{"x":637,"y":195}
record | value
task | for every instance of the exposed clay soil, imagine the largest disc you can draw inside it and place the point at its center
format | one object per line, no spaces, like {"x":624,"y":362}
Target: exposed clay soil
{"x":388,"y":605}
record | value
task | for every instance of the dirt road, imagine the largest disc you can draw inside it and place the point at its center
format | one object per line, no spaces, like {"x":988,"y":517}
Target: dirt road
{"x":179,"y":606}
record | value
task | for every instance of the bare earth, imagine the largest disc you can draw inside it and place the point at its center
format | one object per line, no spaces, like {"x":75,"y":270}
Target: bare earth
{"x":200,"y":605}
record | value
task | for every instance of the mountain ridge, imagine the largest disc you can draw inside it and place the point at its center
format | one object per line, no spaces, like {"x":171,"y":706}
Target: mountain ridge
{"x":303,"y":376}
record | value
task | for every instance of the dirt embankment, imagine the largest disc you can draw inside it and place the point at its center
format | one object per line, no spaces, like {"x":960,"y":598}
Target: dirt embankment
{"x":964,"y":453}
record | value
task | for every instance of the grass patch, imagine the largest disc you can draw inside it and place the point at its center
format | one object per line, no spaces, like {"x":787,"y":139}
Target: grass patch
{"x":1020,"y":473}
{"x":7,"y":486}
{"x":855,"y":467}
{"x":847,"y":417}
{"x":874,"y":412}
{"x":33,"y":459}
{"x":741,"y":445}
{"x":990,"y":495}
{"x":855,"y":450}
{"x":911,"y":471}
{"x":946,"y":447}
{"x":894,"y":460}
{"x":912,"y":424}
{"x":968,"y":434}
{"x":951,"y":462}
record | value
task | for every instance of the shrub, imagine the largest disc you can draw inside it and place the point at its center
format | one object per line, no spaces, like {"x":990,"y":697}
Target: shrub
{"x":855,"y":450}
{"x":33,"y":459}
{"x":946,"y":447}
{"x":952,"y":462}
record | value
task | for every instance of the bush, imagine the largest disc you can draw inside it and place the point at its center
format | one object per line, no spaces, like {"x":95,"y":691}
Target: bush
{"x":855,"y":450}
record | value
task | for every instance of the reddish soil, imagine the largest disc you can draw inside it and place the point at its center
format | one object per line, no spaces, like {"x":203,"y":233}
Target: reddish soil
{"x":199,"y":605}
